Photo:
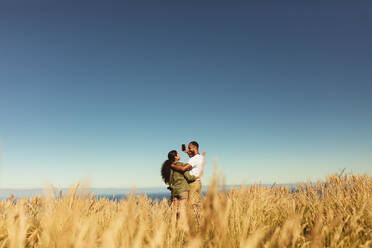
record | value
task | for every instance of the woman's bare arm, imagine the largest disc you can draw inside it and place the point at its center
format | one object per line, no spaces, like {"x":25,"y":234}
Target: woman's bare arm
{"x":181,"y":168}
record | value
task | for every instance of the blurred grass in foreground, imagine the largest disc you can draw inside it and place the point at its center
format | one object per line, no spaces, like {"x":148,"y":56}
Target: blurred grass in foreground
{"x":335,"y":212}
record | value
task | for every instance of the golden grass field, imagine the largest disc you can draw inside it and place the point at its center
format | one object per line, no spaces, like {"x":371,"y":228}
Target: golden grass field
{"x":336,"y":212}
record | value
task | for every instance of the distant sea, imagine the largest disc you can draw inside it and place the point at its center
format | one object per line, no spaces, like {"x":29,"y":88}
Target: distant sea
{"x":110,"y":193}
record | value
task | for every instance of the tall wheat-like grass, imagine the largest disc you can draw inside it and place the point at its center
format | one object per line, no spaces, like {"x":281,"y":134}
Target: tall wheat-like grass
{"x":335,"y":212}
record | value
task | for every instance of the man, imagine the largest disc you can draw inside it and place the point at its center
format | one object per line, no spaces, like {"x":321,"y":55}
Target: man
{"x":195,"y":165}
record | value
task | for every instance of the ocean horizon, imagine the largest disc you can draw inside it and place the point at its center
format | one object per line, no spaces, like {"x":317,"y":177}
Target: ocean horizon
{"x":110,"y":193}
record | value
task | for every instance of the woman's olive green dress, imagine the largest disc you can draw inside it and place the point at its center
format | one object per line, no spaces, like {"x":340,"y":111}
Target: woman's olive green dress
{"x":179,"y":183}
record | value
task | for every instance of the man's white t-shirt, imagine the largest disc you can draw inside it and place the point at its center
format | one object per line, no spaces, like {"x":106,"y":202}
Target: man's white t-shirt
{"x":197,"y":163}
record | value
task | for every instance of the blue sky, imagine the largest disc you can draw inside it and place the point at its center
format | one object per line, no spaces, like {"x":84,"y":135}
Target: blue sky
{"x":276,"y":91}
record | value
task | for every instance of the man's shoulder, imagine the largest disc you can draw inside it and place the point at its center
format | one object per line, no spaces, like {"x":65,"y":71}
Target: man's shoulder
{"x":196,"y":159}
{"x":196,"y":156}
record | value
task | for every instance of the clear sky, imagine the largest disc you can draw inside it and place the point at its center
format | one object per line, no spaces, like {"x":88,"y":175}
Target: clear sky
{"x":276,"y":91}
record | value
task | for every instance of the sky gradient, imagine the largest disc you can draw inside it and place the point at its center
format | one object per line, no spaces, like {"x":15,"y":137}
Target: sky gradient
{"x":276,"y":91}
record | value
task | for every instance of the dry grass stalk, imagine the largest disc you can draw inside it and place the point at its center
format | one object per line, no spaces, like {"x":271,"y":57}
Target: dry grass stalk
{"x":336,"y":212}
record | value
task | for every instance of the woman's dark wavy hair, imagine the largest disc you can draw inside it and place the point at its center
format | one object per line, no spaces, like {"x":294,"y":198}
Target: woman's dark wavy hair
{"x":166,"y":167}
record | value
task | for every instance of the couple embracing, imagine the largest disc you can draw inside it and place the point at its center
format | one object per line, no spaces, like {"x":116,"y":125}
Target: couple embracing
{"x":184,"y":179}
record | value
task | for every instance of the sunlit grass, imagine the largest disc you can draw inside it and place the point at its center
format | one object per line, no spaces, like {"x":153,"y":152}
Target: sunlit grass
{"x":336,"y":212}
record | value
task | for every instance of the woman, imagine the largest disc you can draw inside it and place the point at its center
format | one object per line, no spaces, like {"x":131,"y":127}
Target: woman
{"x":178,"y":181}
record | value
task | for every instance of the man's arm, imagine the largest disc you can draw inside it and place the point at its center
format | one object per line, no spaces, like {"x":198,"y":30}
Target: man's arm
{"x":181,"y":168}
{"x":202,"y":169}
{"x":189,"y":178}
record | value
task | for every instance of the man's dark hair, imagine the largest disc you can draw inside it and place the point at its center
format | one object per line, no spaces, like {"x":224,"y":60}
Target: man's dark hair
{"x":194,"y":143}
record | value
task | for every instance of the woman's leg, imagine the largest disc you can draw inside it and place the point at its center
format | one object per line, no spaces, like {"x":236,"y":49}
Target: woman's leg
{"x":175,"y":207}
{"x":175,"y":202}
{"x":182,"y":203}
{"x":182,"y":208}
